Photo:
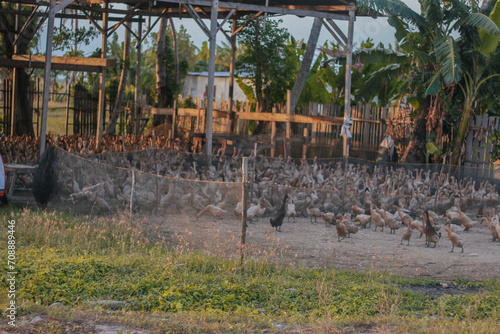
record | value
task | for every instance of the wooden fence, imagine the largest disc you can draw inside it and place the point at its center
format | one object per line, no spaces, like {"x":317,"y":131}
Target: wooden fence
{"x":314,"y":130}
{"x":478,"y":145}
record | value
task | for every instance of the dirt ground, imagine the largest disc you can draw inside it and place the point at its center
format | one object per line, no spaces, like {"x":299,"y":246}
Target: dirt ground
{"x":312,"y":244}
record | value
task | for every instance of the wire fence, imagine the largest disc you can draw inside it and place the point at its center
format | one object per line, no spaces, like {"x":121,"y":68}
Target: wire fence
{"x":197,"y":199}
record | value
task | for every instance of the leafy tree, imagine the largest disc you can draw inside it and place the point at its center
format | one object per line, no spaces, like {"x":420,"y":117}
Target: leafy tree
{"x":268,"y":60}
{"x":65,"y":37}
{"x":187,"y":51}
{"x":23,"y":120}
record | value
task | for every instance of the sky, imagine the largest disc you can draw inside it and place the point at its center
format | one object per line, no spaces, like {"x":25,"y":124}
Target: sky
{"x":364,"y":27}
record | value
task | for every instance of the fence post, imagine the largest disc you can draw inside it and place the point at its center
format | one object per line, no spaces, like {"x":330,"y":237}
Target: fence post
{"x":304,"y":146}
{"x":288,"y":126}
{"x":174,"y":115}
{"x":244,"y":169}
{"x":345,"y":175}
{"x":68,"y":89}
{"x":273,"y":135}
{"x":132,"y":194}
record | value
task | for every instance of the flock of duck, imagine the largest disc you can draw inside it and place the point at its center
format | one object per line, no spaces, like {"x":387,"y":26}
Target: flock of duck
{"x":363,"y":195}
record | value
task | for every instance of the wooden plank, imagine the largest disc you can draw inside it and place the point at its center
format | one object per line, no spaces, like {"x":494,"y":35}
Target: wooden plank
{"x":157,"y":111}
{"x":100,"y":62}
{"x":58,"y":63}
{"x":188,"y":112}
{"x":20,"y":169}
{"x":290,"y":118}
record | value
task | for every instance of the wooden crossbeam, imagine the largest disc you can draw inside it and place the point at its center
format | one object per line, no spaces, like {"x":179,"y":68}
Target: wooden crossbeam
{"x":158,"y":111}
{"x":254,"y":116}
{"x":270,"y":117}
{"x":58,"y":63}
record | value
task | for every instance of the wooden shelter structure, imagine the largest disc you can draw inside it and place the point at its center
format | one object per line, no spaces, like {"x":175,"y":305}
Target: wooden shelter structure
{"x":101,"y":14}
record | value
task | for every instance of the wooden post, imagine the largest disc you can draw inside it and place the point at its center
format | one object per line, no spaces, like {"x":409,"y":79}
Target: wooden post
{"x":68,"y":89}
{"x":15,"y":77}
{"x":132,"y":194}
{"x":46,"y":81}
{"x":287,"y":145}
{"x":231,"y":77}
{"x":102,"y":88}
{"x":304,"y":146}
{"x":348,"y":73}
{"x":273,"y":136}
{"x":172,"y":132}
{"x":211,"y":74}
{"x":244,"y":169}
{"x":137,"y":93}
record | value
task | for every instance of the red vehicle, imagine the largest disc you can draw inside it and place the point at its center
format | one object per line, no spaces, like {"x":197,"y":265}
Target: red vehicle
{"x":3,"y":183}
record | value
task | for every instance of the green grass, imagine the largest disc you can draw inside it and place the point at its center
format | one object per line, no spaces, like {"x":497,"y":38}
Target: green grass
{"x":56,"y":118}
{"x":73,"y":260}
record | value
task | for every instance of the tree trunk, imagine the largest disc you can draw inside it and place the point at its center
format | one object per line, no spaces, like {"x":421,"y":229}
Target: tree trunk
{"x":305,"y":67}
{"x":23,"y":122}
{"x":176,"y":52}
{"x":416,"y":150}
{"x":462,"y":131}
{"x":23,"y":114}
{"x":120,"y":96}
{"x":161,"y":75}
{"x":258,"y":73}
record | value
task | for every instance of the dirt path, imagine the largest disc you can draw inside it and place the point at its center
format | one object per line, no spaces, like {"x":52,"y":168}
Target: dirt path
{"x":314,"y":244}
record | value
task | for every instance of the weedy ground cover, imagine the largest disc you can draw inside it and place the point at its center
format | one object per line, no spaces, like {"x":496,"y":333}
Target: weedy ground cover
{"x":76,"y":261}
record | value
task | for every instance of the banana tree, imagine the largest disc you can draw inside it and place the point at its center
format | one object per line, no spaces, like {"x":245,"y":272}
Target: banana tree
{"x":446,"y":72}
{"x":466,"y":63}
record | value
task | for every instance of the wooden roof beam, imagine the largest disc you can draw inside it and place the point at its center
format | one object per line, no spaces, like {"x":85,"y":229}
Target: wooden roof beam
{"x":285,"y":10}
{"x":58,"y":63}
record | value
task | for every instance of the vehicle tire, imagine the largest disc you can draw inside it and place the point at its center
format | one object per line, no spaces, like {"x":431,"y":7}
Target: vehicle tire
{"x":4,"y":201}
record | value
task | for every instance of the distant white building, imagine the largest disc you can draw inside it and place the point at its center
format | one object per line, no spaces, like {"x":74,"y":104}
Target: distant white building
{"x":195,"y":85}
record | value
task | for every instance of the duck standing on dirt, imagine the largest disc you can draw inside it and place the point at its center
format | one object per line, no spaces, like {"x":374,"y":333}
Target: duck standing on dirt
{"x":277,"y":221}
{"x":431,"y":236}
